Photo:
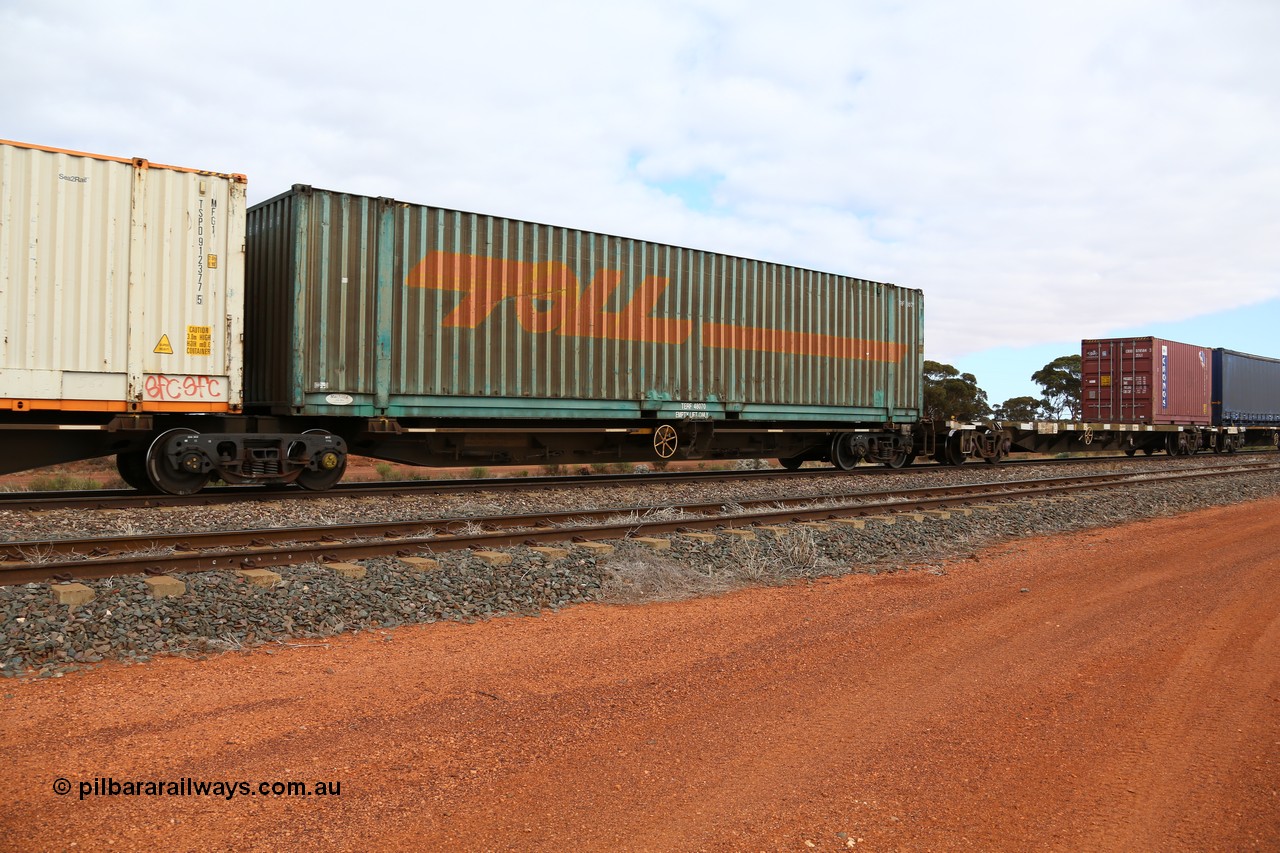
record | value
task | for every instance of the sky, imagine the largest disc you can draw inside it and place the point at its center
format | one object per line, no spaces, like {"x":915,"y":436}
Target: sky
{"x":1042,"y":172}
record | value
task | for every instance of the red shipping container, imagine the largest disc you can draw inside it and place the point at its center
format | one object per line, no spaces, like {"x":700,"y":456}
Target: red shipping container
{"x":1145,"y":380}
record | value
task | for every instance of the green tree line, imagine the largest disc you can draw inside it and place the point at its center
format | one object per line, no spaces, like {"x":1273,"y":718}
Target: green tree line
{"x":952,"y":395}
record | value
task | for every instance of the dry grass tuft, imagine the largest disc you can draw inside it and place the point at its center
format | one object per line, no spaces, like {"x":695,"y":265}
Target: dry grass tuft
{"x":639,"y":576}
{"x":637,"y":579}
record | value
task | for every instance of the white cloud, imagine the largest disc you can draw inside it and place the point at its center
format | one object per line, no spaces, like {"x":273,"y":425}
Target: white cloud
{"x":1042,"y":172}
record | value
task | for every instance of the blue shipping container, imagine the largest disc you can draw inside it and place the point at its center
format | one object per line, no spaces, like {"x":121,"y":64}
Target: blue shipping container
{"x":1246,"y":389}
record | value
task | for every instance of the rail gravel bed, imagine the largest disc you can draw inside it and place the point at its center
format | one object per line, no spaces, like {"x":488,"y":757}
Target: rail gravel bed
{"x":20,"y":525}
{"x":220,"y":612}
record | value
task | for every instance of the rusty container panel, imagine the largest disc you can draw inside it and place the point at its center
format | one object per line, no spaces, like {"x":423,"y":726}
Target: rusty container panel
{"x":121,"y":284}
{"x":1246,"y":389}
{"x":1145,"y":380}
{"x":408,"y":310}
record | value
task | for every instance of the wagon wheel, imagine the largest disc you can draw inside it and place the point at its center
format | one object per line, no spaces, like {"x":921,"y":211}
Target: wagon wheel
{"x":132,"y":465}
{"x":842,"y":455}
{"x":792,"y":464}
{"x":1130,"y":450}
{"x":332,"y":466}
{"x":665,"y":441}
{"x":186,"y":478}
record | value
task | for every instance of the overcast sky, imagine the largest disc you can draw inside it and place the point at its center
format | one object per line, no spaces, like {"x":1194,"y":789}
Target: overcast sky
{"x":1043,"y":172}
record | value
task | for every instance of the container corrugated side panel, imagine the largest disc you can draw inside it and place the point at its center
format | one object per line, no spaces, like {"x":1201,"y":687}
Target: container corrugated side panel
{"x":414,"y":310}
{"x":270,"y":269}
{"x":64,"y":286}
{"x":192,"y":289}
{"x":498,"y":308}
{"x":1246,"y":389}
{"x":107,"y":263}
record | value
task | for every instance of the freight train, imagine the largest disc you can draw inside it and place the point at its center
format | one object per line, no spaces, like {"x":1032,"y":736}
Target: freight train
{"x":149,"y":314}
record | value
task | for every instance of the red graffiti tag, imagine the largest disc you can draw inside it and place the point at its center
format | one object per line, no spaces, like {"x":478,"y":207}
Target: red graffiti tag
{"x":160,"y":387}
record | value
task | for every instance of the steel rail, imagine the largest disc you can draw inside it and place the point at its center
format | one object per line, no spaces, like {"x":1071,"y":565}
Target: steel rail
{"x":404,"y":538}
{"x":130,"y":498}
{"x":99,"y":546}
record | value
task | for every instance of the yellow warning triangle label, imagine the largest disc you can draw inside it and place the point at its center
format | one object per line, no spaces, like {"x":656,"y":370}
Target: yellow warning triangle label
{"x":164,"y":346}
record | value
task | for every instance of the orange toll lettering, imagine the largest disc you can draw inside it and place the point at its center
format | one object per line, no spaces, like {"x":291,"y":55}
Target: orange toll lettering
{"x":549,"y":298}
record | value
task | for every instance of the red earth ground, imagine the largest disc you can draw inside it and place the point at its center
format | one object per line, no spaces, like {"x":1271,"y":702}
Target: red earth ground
{"x":1111,"y":690}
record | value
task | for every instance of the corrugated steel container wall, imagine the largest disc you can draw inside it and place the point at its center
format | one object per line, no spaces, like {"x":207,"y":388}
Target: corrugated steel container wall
{"x":1246,"y":389}
{"x":1145,"y":380}
{"x":420,"y":311}
{"x":121,"y":284}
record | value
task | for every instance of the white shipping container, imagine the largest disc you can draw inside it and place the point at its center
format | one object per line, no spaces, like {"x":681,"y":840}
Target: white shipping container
{"x":121,"y":284}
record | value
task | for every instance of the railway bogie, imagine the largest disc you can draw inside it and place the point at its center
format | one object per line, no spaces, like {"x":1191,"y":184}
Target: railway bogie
{"x":179,"y":455}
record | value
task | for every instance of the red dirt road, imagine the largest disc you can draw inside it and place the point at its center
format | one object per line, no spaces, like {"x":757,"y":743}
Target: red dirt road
{"x":1128,"y":700}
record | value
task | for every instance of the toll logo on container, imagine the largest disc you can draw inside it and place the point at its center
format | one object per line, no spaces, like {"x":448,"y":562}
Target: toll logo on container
{"x":549,"y":299}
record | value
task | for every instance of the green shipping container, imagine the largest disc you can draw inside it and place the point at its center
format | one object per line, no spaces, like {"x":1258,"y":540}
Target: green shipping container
{"x":373,"y":307}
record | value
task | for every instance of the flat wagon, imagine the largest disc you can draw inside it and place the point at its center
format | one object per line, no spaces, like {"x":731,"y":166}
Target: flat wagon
{"x":432,"y":336}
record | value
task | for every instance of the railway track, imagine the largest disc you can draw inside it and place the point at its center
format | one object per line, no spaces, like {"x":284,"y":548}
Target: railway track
{"x":130,"y":498}
{"x":68,"y":559}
